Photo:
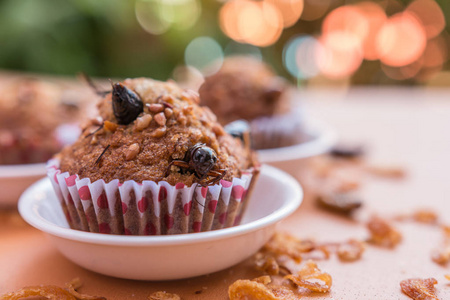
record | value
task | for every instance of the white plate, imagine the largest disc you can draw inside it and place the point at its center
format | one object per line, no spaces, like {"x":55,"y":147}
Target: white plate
{"x":14,"y":179}
{"x":321,"y":138}
{"x":276,"y":196}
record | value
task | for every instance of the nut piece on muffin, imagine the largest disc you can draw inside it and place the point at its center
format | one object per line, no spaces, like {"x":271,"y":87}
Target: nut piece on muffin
{"x":153,"y":162}
{"x":244,"y":88}
{"x":30,"y":112}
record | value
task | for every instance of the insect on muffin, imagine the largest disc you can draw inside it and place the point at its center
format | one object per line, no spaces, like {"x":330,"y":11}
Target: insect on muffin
{"x":153,"y":162}
{"x":248,"y":89}
{"x":31,"y":111}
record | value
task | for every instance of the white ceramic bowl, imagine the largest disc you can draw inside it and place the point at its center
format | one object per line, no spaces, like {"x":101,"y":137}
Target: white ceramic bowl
{"x":14,"y":179}
{"x":276,"y":196}
{"x":321,"y":138}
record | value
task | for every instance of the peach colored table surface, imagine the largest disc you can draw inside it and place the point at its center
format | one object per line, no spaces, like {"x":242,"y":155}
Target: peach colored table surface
{"x":401,"y":127}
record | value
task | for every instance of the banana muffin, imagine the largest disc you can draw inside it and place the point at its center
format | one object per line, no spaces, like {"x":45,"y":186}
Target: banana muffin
{"x":248,"y":89}
{"x":244,"y":88}
{"x":31,"y":111}
{"x":152,"y":141}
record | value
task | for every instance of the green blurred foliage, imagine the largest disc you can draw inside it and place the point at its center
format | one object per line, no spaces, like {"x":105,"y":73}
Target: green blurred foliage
{"x":103,"y":38}
{"x":99,"y":37}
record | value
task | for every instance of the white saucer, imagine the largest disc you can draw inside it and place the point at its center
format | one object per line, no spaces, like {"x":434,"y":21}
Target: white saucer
{"x":275,"y":197}
{"x":14,"y":179}
{"x":321,"y":138}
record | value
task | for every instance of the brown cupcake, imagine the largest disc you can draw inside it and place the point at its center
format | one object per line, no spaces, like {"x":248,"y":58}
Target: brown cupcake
{"x":153,"y":162}
{"x":31,"y":111}
{"x":246,"y":88}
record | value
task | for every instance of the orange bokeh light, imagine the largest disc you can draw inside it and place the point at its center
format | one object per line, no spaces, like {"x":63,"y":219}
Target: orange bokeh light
{"x":362,"y":20}
{"x":291,"y":10}
{"x":375,"y":17}
{"x":401,"y":40}
{"x":341,"y":54}
{"x":346,"y":19}
{"x":228,"y":19}
{"x":430,"y":14}
{"x":255,"y":23}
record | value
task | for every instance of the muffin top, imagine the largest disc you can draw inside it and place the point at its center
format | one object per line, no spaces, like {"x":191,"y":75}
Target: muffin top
{"x":29,"y":104}
{"x":30,"y":112}
{"x":244,"y":88}
{"x":152,"y":130}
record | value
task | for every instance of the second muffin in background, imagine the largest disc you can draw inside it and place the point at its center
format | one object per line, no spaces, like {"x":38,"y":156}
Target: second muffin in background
{"x":36,"y":119}
{"x":153,"y":162}
{"x":246,"y":88}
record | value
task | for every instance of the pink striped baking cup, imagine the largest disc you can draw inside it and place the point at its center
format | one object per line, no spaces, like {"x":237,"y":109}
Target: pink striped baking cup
{"x":148,"y":207}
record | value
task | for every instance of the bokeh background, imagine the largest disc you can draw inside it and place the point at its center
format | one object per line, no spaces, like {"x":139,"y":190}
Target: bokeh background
{"x":311,"y":42}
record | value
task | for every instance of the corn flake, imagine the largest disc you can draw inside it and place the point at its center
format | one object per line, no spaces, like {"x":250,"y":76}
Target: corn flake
{"x":162,"y":295}
{"x":286,"y":244}
{"x":46,"y":291}
{"x":425,"y":216}
{"x":441,"y":256}
{"x":260,"y":289}
{"x":267,"y":263}
{"x":52,"y":292}
{"x":351,"y":250}
{"x":382,"y":233}
{"x":311,"y":278}
{"x":250,"y":290}
{"x":419,"y":289}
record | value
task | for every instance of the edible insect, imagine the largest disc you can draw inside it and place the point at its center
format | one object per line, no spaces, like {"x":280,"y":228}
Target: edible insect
{"x":339,"y":202}
{"x":101,"y":155}
{"x":347,"y":151}
{"x":200,"y":160}
{"x":240,"y":129}
{"x":89,"y":81}
{"x":96,"y":130}
{"x":127,"y":105}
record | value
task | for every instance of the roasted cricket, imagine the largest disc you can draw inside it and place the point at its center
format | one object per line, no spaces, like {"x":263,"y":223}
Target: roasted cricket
{"x":200,"y":160}
{"x":127,"y":104}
